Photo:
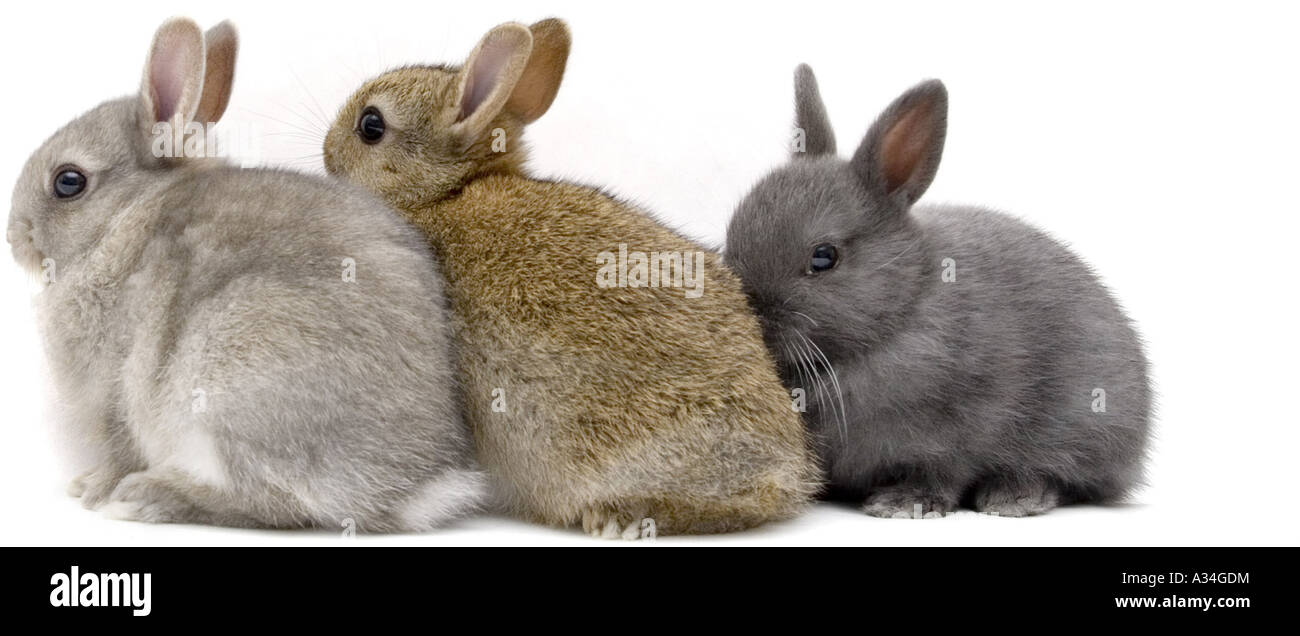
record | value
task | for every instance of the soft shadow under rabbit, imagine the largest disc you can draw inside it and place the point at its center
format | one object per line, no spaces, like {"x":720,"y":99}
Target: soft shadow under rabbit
{"x":950,"y":354}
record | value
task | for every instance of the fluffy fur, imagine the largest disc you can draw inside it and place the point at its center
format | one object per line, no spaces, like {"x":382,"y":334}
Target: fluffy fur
{"x":203,"y":337}
{"x":617,"y":404}
{"x":931,"y":381}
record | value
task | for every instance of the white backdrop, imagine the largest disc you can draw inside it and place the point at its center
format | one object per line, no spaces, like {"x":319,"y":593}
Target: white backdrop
{"x":1159,"y":140}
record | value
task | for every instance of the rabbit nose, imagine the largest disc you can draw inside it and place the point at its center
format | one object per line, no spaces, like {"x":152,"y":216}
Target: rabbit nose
{"x":18,"y":230}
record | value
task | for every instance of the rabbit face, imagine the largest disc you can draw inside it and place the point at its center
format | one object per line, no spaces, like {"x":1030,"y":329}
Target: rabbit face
{"x":827,"y":251}
{"x":397,"y":135}
{"x":69,"y":187}
{"x":416,"y":135}
{"x":92,"y":172}
{"x":821,"y":261}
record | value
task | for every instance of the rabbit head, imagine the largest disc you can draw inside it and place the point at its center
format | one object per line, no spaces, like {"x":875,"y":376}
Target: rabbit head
{"x":70,"y":187}
{"x":417,"y":134}
{"x":826,"y":248}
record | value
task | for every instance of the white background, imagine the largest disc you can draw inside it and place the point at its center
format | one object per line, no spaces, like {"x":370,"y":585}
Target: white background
{"x":1159,"y":140}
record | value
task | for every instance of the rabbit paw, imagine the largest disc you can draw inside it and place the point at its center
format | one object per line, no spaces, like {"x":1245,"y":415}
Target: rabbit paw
{"x":94,"y":487}
{"x":146,"y":497}
{"x":903,"y":502}
{"x":605,"y":522}
{"x":1005,"y":500}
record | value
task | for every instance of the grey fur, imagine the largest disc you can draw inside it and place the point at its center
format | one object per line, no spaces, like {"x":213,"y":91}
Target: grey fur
{"x":933,"y":394}
{"x":211,"y":355}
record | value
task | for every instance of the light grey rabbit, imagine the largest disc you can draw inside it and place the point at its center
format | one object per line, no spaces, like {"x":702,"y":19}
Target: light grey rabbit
{"x":237,"y":347}
{"x":951,"y":355}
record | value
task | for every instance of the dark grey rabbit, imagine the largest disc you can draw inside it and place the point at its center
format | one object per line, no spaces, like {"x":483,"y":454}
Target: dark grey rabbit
{"x":236,"y":347}
{"x":951,"y":355}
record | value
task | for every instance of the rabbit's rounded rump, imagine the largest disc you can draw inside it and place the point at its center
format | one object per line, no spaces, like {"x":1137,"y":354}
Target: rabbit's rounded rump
{"x":1016,"y":383}
{"x":658,"y":401}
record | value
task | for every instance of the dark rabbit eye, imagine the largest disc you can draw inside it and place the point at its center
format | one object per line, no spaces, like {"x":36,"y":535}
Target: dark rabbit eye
{"x":68,"y":183}
{"x":371,"y":125}
{"x":823,"y":257}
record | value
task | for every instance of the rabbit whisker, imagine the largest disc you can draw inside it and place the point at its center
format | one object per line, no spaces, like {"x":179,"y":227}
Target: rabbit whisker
{"x":798,"y":367}
{"x":900,"y":255}
{"x":820,"y":386}
{"x":800,"y":313}
{"x":835,"y":381}
{"x":297,"y":127}
{"x":319,"y":112}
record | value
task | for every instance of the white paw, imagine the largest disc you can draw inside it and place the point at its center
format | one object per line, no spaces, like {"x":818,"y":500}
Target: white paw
{"x":77,"y":487}
{"x":122,"y":510}
{"x":615,"y":530}
{"x":139,"y":497}
{"x":602,"y":525}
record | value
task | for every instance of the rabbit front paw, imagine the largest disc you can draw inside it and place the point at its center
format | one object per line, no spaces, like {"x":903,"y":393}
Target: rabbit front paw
{"x":606,"y":522}
{"x":94,"y":487}
{"x":906,"y":502}
{"x":147,"y":497}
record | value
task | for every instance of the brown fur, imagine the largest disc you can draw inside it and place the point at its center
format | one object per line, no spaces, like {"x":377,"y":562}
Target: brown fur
{"x":621,"y":403}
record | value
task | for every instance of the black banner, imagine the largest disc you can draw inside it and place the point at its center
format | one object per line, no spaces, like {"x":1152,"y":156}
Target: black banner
{"x":169,"y":587}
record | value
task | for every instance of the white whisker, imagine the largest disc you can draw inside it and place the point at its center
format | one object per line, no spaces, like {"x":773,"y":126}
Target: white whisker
{"x":800,"y":313}
{"x":821,"y":387}
{"x":900,"y":255}
{"x":835,"y":381}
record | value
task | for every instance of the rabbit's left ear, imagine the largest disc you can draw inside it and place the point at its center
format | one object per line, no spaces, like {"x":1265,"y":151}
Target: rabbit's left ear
{"x":810,"y":118}
{"x":900,"y":154}
{"x":173,"y":74}
{"x":490,"y":76}
{"x":222,"y":44}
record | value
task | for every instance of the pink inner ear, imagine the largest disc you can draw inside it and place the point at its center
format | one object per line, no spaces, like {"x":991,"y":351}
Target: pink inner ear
{"x":484,"y":74}
{"x":905,"y":146}
{"x":167,"y":77}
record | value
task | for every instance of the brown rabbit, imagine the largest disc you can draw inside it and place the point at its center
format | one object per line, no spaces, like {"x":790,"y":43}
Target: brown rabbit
{"x":615,"y":399}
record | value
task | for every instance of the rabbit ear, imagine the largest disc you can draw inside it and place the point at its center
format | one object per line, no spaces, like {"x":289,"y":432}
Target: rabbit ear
{"x":222,"y":43}
{"x":173,"y":74}
{"x":900,"y":154}
{"x":541,"y":79}
{"x":490,"y":75}
{"x":810,"y":116}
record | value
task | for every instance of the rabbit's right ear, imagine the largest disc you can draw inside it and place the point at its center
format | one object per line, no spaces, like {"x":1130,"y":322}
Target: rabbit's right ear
{"x":541,"y":79}
{"x":173,"y":75}
{"x":810,"y":116}
{"x":222,"y":44}
{"x":900,"y":154}
{"x":490,"y":76}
